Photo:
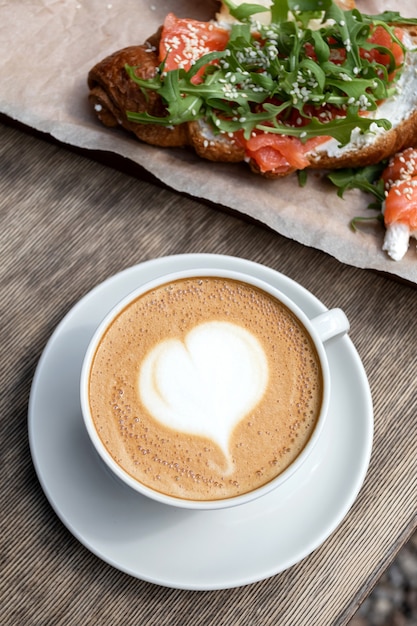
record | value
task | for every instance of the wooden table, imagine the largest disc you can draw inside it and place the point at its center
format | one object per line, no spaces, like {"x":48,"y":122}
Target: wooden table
{"x":69,"y":222}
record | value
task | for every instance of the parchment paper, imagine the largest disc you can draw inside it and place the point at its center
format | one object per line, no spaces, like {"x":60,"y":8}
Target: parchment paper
{"x":46,"y":50}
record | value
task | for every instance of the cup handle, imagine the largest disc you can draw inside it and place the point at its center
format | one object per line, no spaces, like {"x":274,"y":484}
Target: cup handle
{"x":332,"y":323}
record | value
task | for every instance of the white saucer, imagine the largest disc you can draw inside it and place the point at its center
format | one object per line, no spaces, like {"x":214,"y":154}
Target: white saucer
{"x":176,"y":547}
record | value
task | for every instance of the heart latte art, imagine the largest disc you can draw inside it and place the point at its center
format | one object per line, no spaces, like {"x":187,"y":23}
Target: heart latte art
{"x":205,"y":388}
{"x":206,"y":384}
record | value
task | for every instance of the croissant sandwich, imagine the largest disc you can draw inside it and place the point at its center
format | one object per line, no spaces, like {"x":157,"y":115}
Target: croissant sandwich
{"x":275,"y":84}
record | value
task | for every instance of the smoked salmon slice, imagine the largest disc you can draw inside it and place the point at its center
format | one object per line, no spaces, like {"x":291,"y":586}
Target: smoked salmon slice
{"x":280,"y":153}
{"x":184,"y":41}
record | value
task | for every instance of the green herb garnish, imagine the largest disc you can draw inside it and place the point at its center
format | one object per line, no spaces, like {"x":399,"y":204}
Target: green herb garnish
{"x":367,"y":179}
{"x":302,"y":177}
{"x":285,"y":78}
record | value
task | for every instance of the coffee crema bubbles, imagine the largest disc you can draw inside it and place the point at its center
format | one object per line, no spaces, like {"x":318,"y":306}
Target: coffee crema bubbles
{"x":205,"y":388}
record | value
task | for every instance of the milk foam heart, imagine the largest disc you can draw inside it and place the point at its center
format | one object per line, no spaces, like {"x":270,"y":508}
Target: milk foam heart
{"x":208,"y":383}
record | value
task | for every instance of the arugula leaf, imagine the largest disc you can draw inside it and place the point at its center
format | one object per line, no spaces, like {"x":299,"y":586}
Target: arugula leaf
{"x":339,"y":128}
{"x":279,"y":11}
{"x":313,"y":6}
{"x":243,"y":11}
{"x":393,"y":17}
{"x":360,"y":219}
{"x":302,"y":177}
{"x":366,"y":179}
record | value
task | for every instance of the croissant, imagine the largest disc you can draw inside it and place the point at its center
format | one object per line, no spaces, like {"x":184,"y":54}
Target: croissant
{"x":270,"y":148}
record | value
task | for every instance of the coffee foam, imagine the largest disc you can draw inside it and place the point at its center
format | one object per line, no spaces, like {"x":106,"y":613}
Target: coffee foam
{"x":156,"y":344}
{"x":206,"y":384}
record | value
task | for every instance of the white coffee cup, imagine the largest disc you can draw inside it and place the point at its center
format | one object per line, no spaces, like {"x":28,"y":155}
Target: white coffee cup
{"x":330,"y":324}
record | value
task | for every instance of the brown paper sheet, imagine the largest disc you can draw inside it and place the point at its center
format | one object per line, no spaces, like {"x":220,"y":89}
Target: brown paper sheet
{"x":46,"y":50}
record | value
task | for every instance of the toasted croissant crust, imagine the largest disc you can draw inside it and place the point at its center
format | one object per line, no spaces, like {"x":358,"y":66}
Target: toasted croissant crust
{"x":112,"y":93}
{"x":213,"y":147}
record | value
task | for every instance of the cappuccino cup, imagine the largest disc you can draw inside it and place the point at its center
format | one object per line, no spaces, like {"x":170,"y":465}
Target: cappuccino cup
{"x":207,"y":388}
